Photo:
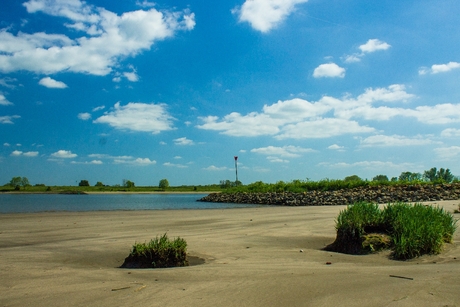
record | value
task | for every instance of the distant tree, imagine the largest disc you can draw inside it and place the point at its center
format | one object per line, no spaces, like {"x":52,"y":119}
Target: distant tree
{"x":430,"y":175}
{"x":99,"y":184}
{"x":164,"y":184}
{"x":394,"y":179}
{"x":128,"y":183}
{"x":84,"y":183}
{"x":443,"y":175}
{"x":25,"y":182}
{"x":15,"y":182}
{"x":352,"y":178}
{"x":225,"y":184}
{"x":409,"y":177}
{"x":380,"y":178}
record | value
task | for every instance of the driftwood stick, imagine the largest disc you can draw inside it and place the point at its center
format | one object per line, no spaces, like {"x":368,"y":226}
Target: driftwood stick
{"x":402,"y":277}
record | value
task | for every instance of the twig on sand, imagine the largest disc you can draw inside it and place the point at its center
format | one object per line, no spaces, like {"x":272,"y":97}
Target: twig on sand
{"x":118,"y":289}
{"x":402,"y":277}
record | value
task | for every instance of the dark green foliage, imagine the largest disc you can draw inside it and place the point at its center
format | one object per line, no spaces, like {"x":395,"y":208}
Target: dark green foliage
{"x":158,"y":253}
{"x":414,"y":229}
{"x":128,"y":184}
{"x":381,"y":178}
{"x":410,"y":177}
{"x":352,"y":178}
{"x":164,"y":184}
{"x":99,"y":184}
{"x":441,"y":175}
{"x":84,"y":183}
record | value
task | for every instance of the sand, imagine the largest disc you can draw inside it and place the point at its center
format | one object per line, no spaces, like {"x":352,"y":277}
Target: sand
{"x":268,"y":256}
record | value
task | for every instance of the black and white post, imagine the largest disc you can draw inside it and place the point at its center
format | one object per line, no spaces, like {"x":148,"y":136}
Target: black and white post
{"x":236,"y":170}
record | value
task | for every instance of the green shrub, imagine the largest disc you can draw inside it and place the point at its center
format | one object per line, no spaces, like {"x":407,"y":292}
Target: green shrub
{"x":160,"y":252}
{"x":414,"y":229}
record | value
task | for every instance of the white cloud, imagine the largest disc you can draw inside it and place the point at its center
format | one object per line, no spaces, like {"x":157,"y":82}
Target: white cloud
{"x":30,"y":154}
{"x":175,"y":165}
{"x":336,"y":147}
{"x":4,"y":101}
{"x":373,"y":45}
{"x":330,"y":70}
{"x":394,"y":140}
{"x":6,"y":82}
{"x":137,"y":116}
{"x":439,"y":68}
{"x":94,"y":162}
{"x":299,"y":118}
{"x":107,"y":38}
{"x":448,"y":153}
{"x":64,"y":154}
{"x":328,"y":117}
{"x":215,"y":168}
{"x":98,"y":108}
{"x":264,"y":15}
{"x":370,"y":165}
{"x":177,"y":157}
{"x":354,"y":58}
{"x":450,"y":132}
{"x":84,"y":116}
{"x":8,"y":119}
{"x":276,"y":160}
{"x":138,"y":161}
{"x":51,"y":83}
{"x":183,"y":141}
{"x":16,"y":153}
{"x":6,"y":144}
{"x":285,"y":151}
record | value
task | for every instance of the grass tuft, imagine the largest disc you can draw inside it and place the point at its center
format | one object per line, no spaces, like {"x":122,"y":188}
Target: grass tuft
{"x":160,"y":252}
{"x":414,"y":229}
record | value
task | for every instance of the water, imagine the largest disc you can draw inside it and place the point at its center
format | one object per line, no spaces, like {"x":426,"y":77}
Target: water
{"x":20,"y":203}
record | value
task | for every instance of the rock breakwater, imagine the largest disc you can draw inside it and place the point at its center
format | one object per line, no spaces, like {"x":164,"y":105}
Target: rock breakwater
{"x":376,"y":194}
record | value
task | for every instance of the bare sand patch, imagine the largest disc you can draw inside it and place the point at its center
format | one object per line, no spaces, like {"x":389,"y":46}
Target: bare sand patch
{"x":270,"y":256}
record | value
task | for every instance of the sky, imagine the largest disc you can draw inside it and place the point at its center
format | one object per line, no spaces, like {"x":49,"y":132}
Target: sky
{"x":109,"y":90}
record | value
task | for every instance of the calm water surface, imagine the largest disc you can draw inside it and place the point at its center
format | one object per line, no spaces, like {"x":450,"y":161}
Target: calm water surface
{"x":15,"y":203}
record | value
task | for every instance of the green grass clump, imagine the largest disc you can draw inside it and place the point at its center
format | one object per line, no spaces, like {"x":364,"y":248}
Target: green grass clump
{"x":414,"y":229}
{"x":160,"y":252}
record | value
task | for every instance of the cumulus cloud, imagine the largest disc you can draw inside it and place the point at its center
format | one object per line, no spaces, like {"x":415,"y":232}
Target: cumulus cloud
{"x":8,"y":119}
{"x":439,"y":68}
{"x":215,"y":168}
{"x":183,"y":141}
{"x":285,"y":151}
{"x":372,"y":45}
{"x":175,"y":165}
{"x":137,"y":161}
{"x":93,"y":162}
{"x":16,"y":153}
{"x":4,"y":101}
{"x":64,"y":154}
{"x":300,"y":119}
{"x":450,"y":132}
{"x":335,"y":147}
{"x":84,"y":116}
{"x":98,"y":108}
{"x":448,"y":153}
{"x":138,"y":116}
{"x":330,"y":70}
{"x":51,"y":83}
{"x":30,"y":154}
{"x":383,"y":166}
{"x":7,"y":82}
{"x":106,"y":38}
{"x":264,"y":15}
{"x":394,"y":140}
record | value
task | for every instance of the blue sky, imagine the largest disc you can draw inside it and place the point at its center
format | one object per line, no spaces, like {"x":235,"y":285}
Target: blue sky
{"x":111,"y":90}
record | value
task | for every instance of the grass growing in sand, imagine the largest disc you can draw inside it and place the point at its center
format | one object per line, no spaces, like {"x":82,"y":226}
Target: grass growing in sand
{"x":414,"y":229}
{"x":160,"y":252}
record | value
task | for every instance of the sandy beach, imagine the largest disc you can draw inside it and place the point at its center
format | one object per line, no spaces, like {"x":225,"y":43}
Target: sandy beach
{"x":270,"y":256}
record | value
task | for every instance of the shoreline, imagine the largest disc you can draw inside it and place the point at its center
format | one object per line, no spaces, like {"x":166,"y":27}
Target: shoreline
{"x":264,"y":256}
